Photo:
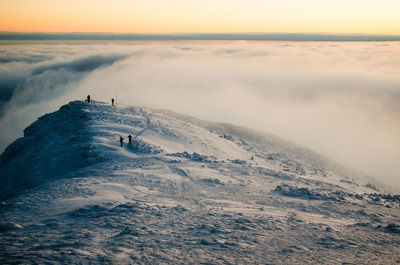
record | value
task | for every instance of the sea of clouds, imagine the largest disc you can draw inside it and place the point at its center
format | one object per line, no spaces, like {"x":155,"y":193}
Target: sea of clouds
{"x":341,"y":99}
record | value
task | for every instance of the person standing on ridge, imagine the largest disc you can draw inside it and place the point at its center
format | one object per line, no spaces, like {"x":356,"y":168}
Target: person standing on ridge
{"x":121,"y":140}
{"x":88,"y":98}
{"x":130,"y":139}
{"x":112,"y":101}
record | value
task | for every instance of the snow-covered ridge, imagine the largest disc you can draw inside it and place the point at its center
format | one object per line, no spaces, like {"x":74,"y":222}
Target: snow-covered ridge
{"x":52,"y":147}
{"x":184,"y":191}
{"x":79,"y":135}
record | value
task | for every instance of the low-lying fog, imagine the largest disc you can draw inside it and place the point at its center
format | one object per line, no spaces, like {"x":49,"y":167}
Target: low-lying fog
{"x":341,"y":99}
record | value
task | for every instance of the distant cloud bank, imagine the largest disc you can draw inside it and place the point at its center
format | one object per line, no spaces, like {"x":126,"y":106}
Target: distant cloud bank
{"x":199,"y":36}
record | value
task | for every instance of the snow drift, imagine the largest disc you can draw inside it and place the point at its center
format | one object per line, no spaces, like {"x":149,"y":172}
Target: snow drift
{"x":184,"y":191}
{"x":80,"y":135}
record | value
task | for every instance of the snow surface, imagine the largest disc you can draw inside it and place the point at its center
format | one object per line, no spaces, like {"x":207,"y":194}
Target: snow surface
{"x":185,"y":191}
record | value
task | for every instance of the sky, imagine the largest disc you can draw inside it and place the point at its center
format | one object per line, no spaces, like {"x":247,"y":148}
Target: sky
{"x":206,"y":16}
{"x":341,"y":99}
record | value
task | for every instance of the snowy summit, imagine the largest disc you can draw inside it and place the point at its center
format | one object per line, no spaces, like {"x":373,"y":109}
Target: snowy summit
{"x":183,"y":191}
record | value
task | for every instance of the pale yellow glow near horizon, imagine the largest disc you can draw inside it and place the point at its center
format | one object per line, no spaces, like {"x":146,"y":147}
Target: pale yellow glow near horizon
{"x":211,"y":16}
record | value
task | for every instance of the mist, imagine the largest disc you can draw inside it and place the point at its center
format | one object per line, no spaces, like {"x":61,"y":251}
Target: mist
{"x":341,"y":99}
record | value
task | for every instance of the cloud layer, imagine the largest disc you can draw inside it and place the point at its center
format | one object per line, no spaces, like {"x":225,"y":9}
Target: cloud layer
{"x":340,"y":99}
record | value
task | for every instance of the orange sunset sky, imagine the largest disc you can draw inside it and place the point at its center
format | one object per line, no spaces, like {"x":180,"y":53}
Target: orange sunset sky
{"x":205,"y":16}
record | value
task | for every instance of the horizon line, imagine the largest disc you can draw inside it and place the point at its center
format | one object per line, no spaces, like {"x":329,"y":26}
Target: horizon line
{"x":279,"y":36}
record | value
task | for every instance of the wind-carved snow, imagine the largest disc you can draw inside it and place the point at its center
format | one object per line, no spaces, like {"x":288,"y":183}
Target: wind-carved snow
{"x":184,"y":191}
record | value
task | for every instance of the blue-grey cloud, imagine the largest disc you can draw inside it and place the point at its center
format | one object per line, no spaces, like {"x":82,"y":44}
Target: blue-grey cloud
{"x":81,"y":65}
{"x":8,"y":83}
{"x":25,"y":58}
{"x":27,"y":68}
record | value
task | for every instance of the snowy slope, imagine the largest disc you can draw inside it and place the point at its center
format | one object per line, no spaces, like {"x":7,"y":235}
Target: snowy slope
{"x":184,"y":191}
